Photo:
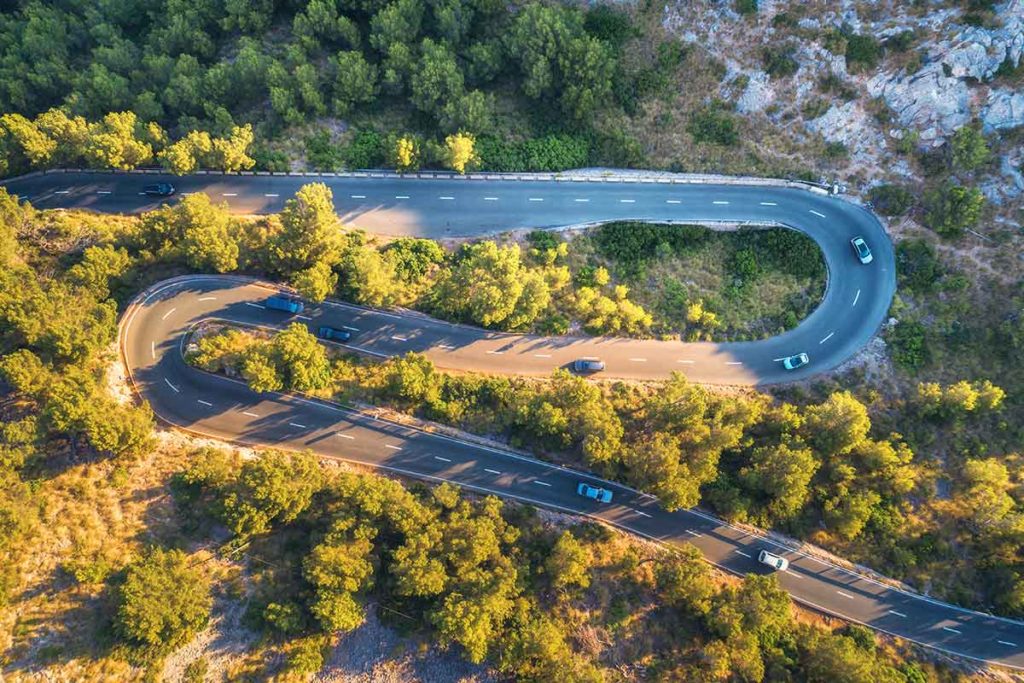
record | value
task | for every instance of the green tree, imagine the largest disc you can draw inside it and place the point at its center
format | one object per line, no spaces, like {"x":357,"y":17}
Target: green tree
{"x":315,"y":283}
{"x":310,"y":231}
{"x":208,"y":233}
{"x":366,"y":276}
{"x":684,"y":580}
{"x":970,"y":149}
{"x":231,"y":153}
{"x":302,"y":359}
{"x":113,"y":143}
{"x":355,"y":83}
{"x":952,"y":209}
{"x":119,"y":430}
{"x":338,"y":568}
{"x":274,"y":488}
{"x":838,"y":425}
{"x":568,"y":564}
{"x":780,"y":476}
{"x":187,"y":154}
{"x":164,"y":600}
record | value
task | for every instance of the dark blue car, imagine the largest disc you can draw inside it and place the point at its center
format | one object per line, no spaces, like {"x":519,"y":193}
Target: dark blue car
{"x":333,"y":334}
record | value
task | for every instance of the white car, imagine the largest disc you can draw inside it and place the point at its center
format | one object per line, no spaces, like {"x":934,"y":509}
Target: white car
{"x":779,"y":564}
{"x":797,"y":361}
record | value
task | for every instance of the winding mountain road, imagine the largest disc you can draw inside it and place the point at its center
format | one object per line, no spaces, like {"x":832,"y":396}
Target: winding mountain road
{"x":154,"y":328}
{"x":855,"y":303}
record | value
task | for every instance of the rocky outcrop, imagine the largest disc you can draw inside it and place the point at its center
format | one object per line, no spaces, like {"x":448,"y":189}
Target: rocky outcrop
{"x":1003,"y":111}
{"x":757,"y":95}
{"x":928,"y":101}
{"x":849,"y":124}
{"x":978,"y":52}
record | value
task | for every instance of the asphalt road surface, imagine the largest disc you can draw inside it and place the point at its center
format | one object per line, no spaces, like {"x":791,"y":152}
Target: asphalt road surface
{"x":155,"y":327}
{"x":856,"y":300}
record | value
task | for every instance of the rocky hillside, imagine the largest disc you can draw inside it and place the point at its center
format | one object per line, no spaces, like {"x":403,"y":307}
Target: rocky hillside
{"x":882,"y":78}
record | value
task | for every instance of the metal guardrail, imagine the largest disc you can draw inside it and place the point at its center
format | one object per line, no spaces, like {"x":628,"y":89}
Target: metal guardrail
{"x":613,"y":176}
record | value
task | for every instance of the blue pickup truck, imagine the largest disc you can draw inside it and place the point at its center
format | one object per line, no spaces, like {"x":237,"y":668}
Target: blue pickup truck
{"x":280,"y":302}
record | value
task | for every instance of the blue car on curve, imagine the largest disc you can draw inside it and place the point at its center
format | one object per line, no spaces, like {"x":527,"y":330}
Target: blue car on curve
{"x":594,"y":493}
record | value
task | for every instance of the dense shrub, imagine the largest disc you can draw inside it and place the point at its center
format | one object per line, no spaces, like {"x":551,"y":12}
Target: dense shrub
{"x":909,"y":345}
{"x":918,"y":266}
{"x":863,"y":52}
{"x":549,"y":153}
{"x":714,"y":125}
{"x":746,"y":7}
{"x":779,"y":61}
{"x":368,"y":149}
{"x":891,"y":200}
{"x":629,"y":245}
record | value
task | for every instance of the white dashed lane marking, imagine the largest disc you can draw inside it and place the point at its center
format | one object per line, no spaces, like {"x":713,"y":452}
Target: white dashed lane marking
{"x":394,"y":448}
{"x":176,"y":389}
{"x":247,"y":413}
{"x":638,"y":360}
{"x":627,"y":201}
{"x":581,"y":200}
{"x":346,"y":327}
{"x":205,"y":403}
{"x":303,"y":317}
{"x":103,"y":192}
{"x":536,"y":199}
{"x":168,"y":313}
{"x":693,"y":533}
{"x":845,"y":595}
{"x":672,"y":201}
{"x":541,"y":483}
{"x":827,"y":337}
{"x":399,"y":338}
{"x":357,"y":196}
{"x":768,"y":204}
{"x":743,"y":553}
{"x":438,"y":457}
{"x":817,"y":213}
{"x":401,"y":196}
{"x":344,"y":436}
{"x":734,"y":362}
{"x":542,"y":355}
{"x":249,"y":303}
{"x":856,"y":297}
{"x":447,"y":199}
{"x":496,"y":353}
{"x":271,"y":194}
{"x":492,"y":471}
{"x":62,"y":192}
{"x":952,"y":630}
{"x":1006,"y":642}
{"x":229,"y":194}
{"x":686,"y":362}
{"x":152,"y":350}
{"x":898,"y":614}
{"x":490,"y":199}
{"x":720,"y":203}
{"x":642,"y":514}
{"x":296,"y":424}
{"x":207,"y":298}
